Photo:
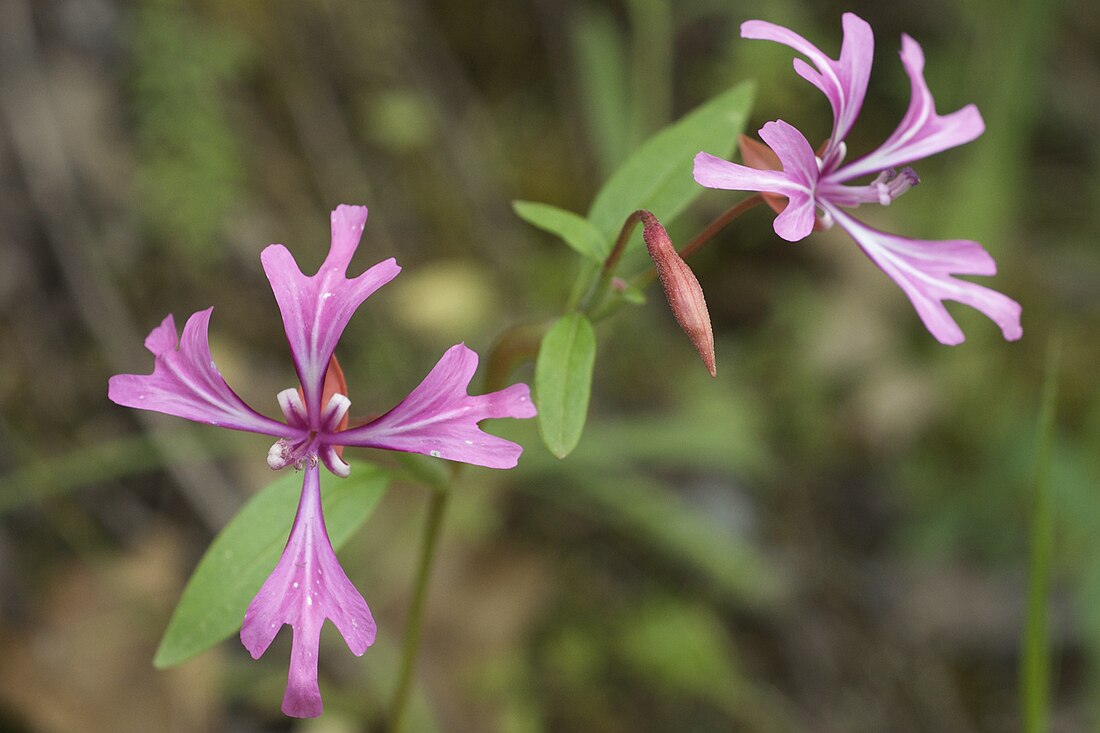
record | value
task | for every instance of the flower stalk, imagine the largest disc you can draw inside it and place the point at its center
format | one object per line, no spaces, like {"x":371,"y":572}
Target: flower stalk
{"x":414,"y":630}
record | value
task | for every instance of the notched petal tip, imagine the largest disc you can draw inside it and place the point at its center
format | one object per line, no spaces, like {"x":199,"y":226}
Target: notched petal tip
{"x":350,"y":214}
{"x":927,"y":271}
{"x":186,"y":383}
{"x":317,"y":308}
{"x":307,"y":586}
{"x":164,"y":337}
{"x":440,"y":419}
{"x":843,"y":81}
{"x":513,"y":401}
{"x":922,"y":131}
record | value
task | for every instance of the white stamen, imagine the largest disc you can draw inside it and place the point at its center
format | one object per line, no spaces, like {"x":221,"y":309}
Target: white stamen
{"x":279,"y":455}
{"x":334,"y":463}
{"x":293,"y":408}
{"x":337,"y":407}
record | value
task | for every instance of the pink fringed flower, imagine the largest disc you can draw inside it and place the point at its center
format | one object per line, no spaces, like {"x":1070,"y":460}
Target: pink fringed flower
{"x":818,"y":186}
{"x":438,"y":419}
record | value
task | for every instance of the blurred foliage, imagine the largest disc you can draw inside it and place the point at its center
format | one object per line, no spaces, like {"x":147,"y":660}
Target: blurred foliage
{"x":190,"y":174}
{"x":830,"y":536}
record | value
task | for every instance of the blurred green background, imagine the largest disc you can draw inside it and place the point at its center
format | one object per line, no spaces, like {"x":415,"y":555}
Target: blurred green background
{"x":831,"y":536}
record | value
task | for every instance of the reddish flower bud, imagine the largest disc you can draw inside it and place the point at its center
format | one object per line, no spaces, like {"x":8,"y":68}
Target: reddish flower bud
{"x":685,"y":296}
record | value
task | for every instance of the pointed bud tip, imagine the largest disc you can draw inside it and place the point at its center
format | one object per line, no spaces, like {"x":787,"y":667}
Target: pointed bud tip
{"x":682,"y":289}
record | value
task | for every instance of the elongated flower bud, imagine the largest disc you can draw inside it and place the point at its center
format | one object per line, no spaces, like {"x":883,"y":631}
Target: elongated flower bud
{"x":685,"y":296}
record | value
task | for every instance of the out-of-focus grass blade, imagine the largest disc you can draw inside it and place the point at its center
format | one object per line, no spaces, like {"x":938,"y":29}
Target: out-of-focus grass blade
{"x":645,"y":510}
{"x":1035,"y":663}
{"x":89,"y":465}
{"x":241,"y":556}
{"x":600,"y":52}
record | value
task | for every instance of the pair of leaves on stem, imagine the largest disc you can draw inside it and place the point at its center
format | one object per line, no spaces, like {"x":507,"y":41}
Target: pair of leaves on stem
{"x":657,"y":178}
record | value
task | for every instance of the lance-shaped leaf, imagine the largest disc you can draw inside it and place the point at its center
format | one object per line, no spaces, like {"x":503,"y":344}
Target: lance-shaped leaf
{"x":574,"y":230}
{"x":243,"y":554}
{"x":563,"y":382}
{"x":658,"y":175}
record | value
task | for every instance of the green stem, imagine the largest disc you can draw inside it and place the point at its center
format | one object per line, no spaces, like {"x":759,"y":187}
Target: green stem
{"x":518,"y":344}
{"x":415,"y":628}
{"x":1035,"y":665}
{"x":719,"y":224}
{"x":599,"y":293}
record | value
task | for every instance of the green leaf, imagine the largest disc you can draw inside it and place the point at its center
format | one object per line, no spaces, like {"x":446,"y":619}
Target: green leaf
{"x":658,"y":175}
{"x":563,"y":382}
{"x":574,"y":229}
{"x":245,"y":552}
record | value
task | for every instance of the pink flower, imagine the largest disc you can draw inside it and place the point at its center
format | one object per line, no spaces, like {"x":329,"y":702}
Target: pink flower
{"x":818,"y":186}
{"x":438,"y":419}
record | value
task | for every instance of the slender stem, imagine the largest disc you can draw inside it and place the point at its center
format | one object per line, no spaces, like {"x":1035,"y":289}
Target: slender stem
{"x":1035,"y":664}
{"x":719,"y":224}
{"x":708,"y":233}
{"x":616,"y":254}
{"x":415,"y":627}
{"x":516,"y":345}
{"x":597,"y":295}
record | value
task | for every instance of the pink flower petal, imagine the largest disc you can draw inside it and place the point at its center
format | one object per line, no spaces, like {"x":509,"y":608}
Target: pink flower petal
{"x":924,"y":270}
{"x":801,"y":166}
{"x":186,"y":383}
{"x":440,"y":419}
{"x":714,"y":172}
{"x":306,"y":587}
{"x":921,"y":132}
{"x":842,"y":81}
{"x":316,"y":309}
{"x":797,"y":181}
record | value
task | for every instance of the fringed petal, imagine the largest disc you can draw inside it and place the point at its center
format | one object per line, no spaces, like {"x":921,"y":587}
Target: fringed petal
{"x":921,"y":132}
{"x":186,"y":383}
{"x":440,"y":419}
{"x":843,"y":81}
{"x":316,"y":309}
{"x":925,"y":271}
{"x":306,"y":587}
